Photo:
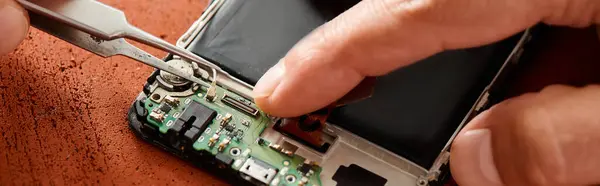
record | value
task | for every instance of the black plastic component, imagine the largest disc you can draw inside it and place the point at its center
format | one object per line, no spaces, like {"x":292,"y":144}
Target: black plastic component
{"x":196,"y":115}
{"x":192,"y":135}
{"x":150,"y":81}
{"x":150,"y":129}
{"x":141,"y":113}
{"x":196,"y":118}
{"x":176,"y":129}
{"x":355,"y":175}
{"x":239,"y":105}
{"x":224,"y":159}
{"x":201,"y":159}
{"x":173,"y":135}
{"x":262,"y":141}
{"x":165,"y":107}
{"x":140,"y":110}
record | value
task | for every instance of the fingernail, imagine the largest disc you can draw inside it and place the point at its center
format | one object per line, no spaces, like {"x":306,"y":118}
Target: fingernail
{"x":269,"y":81}
{"x":477,"y":146}
{"x":13,"y":26}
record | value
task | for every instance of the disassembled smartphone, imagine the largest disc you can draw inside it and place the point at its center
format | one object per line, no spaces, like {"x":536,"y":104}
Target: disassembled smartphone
{"x":400,"y":135}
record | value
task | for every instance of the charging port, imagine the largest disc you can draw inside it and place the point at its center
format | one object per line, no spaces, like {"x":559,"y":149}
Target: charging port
{"x":259,"y":170}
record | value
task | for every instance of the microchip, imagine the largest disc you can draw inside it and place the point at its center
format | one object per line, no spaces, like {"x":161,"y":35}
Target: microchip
{"x":196,"y":115}
{"x":230,"y":127}
{"x":305,"y":168}
{"x":164,"y":107}
{"x":239,"y":133}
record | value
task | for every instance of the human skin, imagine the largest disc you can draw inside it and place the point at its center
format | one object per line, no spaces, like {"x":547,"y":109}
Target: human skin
{"x":14,"y":25}
{"x":549,"y":137}
{"x":546,"y":138}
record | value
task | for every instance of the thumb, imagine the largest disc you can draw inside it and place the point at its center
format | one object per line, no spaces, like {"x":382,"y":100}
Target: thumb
{"x":378,"y":36}
{"x":547,"y":138}
{"x":14,"y":25}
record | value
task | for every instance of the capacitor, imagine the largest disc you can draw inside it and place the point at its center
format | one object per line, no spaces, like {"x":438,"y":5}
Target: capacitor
{"x":224,"y":144}
{"x":213,"y":140}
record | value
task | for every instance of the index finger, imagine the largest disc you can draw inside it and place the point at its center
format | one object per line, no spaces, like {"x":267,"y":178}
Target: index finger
{"x":378,"y":36}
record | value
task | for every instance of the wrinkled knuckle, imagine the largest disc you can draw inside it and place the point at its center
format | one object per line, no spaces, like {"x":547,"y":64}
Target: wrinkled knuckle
{"x":514,"y":113}
{"x":522,"y":119}
{"x":313,"y":48}
{"x":521,"y":116}
{"x":530,"y":127}
{"x":321,"y":35}
{"x":386,"y":7}
{"x":526,"y":127}
{"x":529,"y":116}
{"x":402,"y":9}
{"x":320,"y":38}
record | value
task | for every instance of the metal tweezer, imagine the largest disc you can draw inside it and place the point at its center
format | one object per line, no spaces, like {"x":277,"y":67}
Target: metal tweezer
{"x":102,"y":30}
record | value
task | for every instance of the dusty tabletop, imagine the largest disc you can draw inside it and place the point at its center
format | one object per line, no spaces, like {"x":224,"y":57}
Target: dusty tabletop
{"x":64,"y":109}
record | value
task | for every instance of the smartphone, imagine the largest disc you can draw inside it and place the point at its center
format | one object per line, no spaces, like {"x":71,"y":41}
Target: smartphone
{"x":400,"y":135}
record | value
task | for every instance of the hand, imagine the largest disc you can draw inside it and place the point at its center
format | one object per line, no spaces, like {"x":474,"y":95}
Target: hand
{"x":546,"y":138}
{"x":378,"y":36}
{"x":14,"y":24}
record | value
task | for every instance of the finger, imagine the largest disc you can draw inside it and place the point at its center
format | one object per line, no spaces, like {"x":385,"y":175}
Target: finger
{"x":549,"y":138}
{"x":377,"y":36}
{"x":553,"y":91}
{"x":14,"y":25}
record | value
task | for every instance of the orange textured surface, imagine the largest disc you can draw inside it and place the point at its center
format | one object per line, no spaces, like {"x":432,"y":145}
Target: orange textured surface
{"x":64,"y":110}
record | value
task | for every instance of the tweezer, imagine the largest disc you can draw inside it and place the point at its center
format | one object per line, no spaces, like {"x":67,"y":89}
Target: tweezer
{"x":102,"y":30}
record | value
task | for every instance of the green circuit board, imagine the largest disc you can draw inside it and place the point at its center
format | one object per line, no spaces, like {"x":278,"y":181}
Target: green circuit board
{"x":245,"y":149}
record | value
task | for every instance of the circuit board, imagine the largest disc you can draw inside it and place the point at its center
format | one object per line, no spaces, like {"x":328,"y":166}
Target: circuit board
{"x":231,"y":133}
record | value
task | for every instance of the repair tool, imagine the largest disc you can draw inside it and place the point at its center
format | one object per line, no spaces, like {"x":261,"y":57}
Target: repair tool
{"x":102,"y":30}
